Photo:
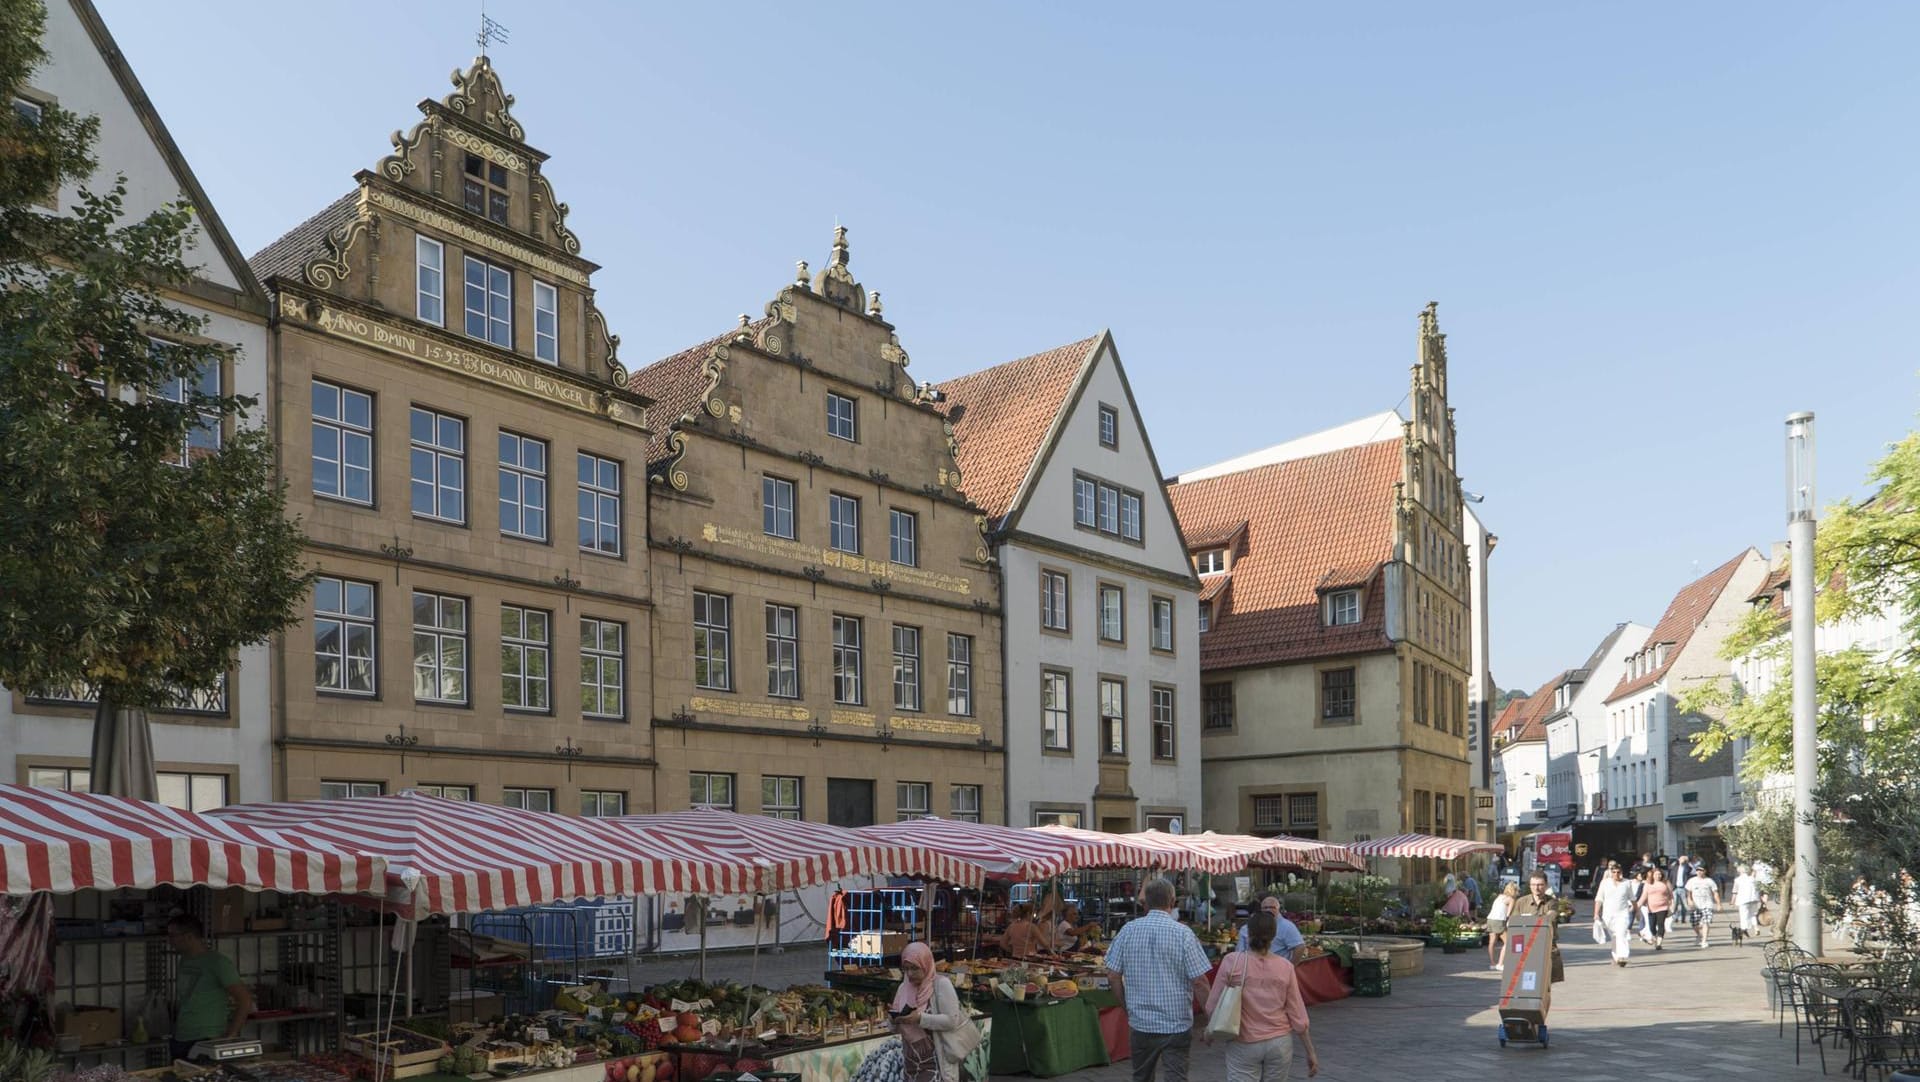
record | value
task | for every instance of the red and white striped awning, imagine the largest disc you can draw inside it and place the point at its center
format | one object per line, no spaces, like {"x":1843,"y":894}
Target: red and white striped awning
{"x":755,"y":853}
{"x":57,"y":841}
{"x":456,"y":856}
{"x":1421,"y":845}
{"x":1278,"y":850}
{"x":1005,"y":852}
{"x":1157,"y":850}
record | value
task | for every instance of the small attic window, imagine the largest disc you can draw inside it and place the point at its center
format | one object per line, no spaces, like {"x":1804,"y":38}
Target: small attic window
{"x":1206,"y":615}
{"x":1343,"y":607}
{"x":485,"y":188}
{"x":1109,"y":427}
{"x":1206,"y":563}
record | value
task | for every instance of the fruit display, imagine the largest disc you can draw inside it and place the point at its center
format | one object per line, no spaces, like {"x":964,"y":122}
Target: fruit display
{"x":886,"y":1063}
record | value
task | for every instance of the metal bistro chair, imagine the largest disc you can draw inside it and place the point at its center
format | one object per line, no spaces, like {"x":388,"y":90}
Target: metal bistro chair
{"x":1873,"y":1039}
{"x":1781,"y":957}
{"x":1816,"y":990}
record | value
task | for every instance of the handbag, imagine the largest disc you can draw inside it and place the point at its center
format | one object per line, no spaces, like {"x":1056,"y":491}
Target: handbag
{"x":1225,"y":1019}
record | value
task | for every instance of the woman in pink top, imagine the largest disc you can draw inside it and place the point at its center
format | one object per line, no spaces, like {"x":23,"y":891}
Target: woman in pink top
{"x":1271,"y":1010}
{"x":1656,"y":900}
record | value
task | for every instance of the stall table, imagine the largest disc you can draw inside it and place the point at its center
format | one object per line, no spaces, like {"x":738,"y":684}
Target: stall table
{"x":1047,"y":1038}
{"x":1322,"y":979}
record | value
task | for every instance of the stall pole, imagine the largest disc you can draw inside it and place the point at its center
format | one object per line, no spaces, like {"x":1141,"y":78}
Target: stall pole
{"x":706,"y":910}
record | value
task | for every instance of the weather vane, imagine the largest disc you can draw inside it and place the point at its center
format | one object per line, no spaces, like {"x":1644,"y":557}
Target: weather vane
{"x":490,"y":32}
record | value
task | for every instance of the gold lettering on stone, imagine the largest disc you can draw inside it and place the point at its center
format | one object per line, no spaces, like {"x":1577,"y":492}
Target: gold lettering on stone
{"x":447,"y":224}
{"x":858,"y":718}
{"x":858,"y":565}
{"x":762,"y":711}
{"x":938,"y":725}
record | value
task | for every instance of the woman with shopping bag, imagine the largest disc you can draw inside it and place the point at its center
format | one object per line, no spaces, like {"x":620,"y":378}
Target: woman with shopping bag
{"x":936,"y":1032}
{"x":1256,"y":1004}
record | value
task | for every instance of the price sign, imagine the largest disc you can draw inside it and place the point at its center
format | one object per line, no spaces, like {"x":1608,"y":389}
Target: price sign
{"x":537,"y":1033}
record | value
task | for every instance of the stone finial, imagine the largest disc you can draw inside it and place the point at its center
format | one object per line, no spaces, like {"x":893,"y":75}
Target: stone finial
{"x":835,"y":282}
{"x":873,"y":306}
{"x":840,"y":250}
{"x":800,"y":275}
{"x":745,"y":320}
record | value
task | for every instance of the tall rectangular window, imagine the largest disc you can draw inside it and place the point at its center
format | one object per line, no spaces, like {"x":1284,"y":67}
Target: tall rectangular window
{"x":843,"y":523}
{"x":906,"y":667}
{"x":546,"y":323}
{"x":602,"y":803}
{"x":344,"y":622}
{"x":1216,"y":705}
{"x":783,"y":652}
{"x":439,"y":465}
{"x":1056,"y":710}
{"x":1083,"y":503}
{"x":960,"y":675}
{"x":603,"y":667}
{"x":1109,"y":509}
{"x":847,"y":660}
{"x":1203,"y":620}
{"x":1336,"y":695}
{"x":439,"y":648}
{"x":489,"y":303}
{"x":430,"y":281}
{"x":540,"y":800}
{"x":1109,"y":427}
{"x":599,"y":504}
{"x":1163,"y":727}
{"x":1130,"y":516}
{"x":342,"y":443}
{"x":903,"y":537}
{"x":207,"y":382}
{"x":526,"y":645}
{"x":776,"y":507}
{"x":1113,"y":607}
{"x":1163,"y":623}
{"x":1053,"y":600}
{"x":483,"y":188}
{"x":1113,"y":717}
{"x":780,"y":797}
{"x":963,"y":804}
{"x":842,"y":417}
{"x":712,"y":641}
{"x":912,"y":800}
{"x":523,"y":486}
{"x":707,"y":790}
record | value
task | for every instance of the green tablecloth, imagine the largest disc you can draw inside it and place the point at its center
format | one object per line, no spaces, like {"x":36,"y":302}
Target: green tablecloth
{"x":1047,"y":1039}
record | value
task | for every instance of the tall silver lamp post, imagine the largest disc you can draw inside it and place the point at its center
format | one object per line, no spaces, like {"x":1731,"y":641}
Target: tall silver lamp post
{"x":1806,"y":742}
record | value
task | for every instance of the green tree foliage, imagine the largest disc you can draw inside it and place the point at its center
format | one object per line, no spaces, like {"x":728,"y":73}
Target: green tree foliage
{"x":126,"y":561}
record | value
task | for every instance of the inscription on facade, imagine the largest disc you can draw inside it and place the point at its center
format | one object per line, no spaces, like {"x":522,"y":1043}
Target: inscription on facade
{"x":761,"y":711}
{"x":445,"y":223}
{"x":857,"y":718}
{"x":859,"y":565}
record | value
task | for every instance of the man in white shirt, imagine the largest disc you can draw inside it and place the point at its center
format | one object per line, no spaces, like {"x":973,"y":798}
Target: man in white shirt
{"x":1703,"y":897}
{"x":1613,"y":899}
{"x":1746,"y":895}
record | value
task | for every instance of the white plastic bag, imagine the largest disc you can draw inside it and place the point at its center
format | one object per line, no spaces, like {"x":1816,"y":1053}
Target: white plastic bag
{"x":1225,"y":1020}
{"x":1600,"y":932}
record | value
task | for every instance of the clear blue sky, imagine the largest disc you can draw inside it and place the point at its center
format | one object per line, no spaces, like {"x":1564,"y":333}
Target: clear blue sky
{"x":1653,"y":230}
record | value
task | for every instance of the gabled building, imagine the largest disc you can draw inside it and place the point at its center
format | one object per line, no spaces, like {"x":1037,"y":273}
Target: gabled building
{"x":1102,"y":650}
{"x":1479,"y":543}
{"x":213,"y":746}
{"x":1334,"y":645}
{"x":1576,"y":728}
{"x":1509,"y":718}
{"x":828,"y":621}
{"x":1650,"y":778}
{"x":461,"y":445}
{"x":1520,"y":757}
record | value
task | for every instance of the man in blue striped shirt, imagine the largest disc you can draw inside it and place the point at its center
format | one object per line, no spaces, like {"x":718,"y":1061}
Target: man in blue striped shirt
{"x":1159,"y":972}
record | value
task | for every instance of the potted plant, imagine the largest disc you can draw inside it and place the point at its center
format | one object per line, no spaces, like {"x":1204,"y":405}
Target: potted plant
{"x":1446,"y":928}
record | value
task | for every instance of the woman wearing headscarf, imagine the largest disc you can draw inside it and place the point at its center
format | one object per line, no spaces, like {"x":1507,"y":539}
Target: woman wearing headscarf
{"x":936,"y":1034}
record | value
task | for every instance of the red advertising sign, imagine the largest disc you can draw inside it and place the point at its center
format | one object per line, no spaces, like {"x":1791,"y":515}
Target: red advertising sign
{"x":1554,"y":848}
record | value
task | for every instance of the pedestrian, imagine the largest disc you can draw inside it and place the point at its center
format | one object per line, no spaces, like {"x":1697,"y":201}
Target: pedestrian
{"x":1537,"y":902}
{"x":1471,"y":884}
{"x":1271,"y":1008}
{"x":1703,"y":898}
{"x":1656,"y":901}
{"x":1682,"y":873}
{"x":1746,"y":896}
{"x":1457,"y":903}
{"x":1497,"y":925}
{"x":1287,"y":938}
{"x":936,"y":1032}
{"x":1639,"y":921}
{"x":1613,"y":912}
{"x":1159,"y":973}
{"x":213,"y":1002}
{"x":1024,"y":937}
{"x":1553,"y":879}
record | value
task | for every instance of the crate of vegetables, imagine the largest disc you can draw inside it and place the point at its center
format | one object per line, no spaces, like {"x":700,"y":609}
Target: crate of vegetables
{"x":404,"y":1053}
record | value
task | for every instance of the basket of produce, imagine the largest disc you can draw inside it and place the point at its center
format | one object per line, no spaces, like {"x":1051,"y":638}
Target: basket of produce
{"x":403,"y":1053}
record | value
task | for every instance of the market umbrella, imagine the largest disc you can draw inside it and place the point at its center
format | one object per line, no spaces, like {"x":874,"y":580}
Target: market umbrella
{"x":59,"y":841}
{"x":1153,"y":849}
{"x":1281,"y":849}
{"x":122,"y":757}
{"x":1007,"y":852}
{"x":1421,"y":845}
{"x":756,"y":853}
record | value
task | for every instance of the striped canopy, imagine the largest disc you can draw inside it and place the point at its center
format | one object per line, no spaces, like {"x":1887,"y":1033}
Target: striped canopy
{"x":1006,"y":852}
{"x":57,"y":841}
{"x":456,"y":856}
{"x":1421,"y":845}
{"x":755,"y":853}
{"x":1278,"y":850}
{"x":1158,"y":850}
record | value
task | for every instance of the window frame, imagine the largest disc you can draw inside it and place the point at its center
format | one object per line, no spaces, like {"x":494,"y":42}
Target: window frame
{"x":1108,"y":509}
{"x":783,"y":650}
{"x":1160,"y":637}
{"x":1159,"y":696}
{"x":440,"y":631}
{"x":1322,"y":677}
{"x":1056,"y":606}
{"x":851,"y":420}
{"x":600,"y":798}
{"x":483,"y":181}
{"x":421,"y":294}
{"x":176,"y":389}
{"x":1108,"y":726}
{"x":524,"y":478}
{"x":1085,"y":515}
{"x":771,"y":511}
{"x":493,"y":301}
{"x":550,"y":336}
{"x":699,"y":780}
{"x":1056,"y":712}
{"x":907,"y":669}
{"x":778,"y":808}
{"x":527,"y":791}
{"x":907,"y":542}
{"x":353,"y":789}
{"x":849,"y":660}
{"x":1109,"y":427}
{"x":1210,"y":701}
{"x":956,"y":809}
{"x":441,"y":791}
{"x":836,"y":503}
{"x":345,"y":433}
{"x":959,"y":675}
{"x":191,"y":778}
{"x":904,"y":811}
{"x":442,"y":456}
{"x":1342,"y":603}
{"x":1117,"y":611}
{"x":706,"y":632}
{"x":1203,"y":617}
{"x":593,"y":649}
{"x":528,"y":647}
{"x":601,"y":496}
{"x":345,"y":618}
{"x":1216,"y":557}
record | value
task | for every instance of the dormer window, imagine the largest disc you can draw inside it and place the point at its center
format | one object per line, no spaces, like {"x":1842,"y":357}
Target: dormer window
{"x":485,"y":188}
{"x":1206,"y":563}
{"x":1660,"y":655}
{"x":1343,"y":607}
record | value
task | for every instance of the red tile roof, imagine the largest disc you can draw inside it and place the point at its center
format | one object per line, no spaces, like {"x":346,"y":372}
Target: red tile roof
{"x":675,"y":384}
{"x":1529,"y":720}
{"x":1511,"y":715}
{"x":1676,"y":627}
{"x":1001,"y":416}
{"x":1771,"y":584}
{"x":1305,"y":518}
{"x":1213,"y":585}
{"x":1220,"y":535}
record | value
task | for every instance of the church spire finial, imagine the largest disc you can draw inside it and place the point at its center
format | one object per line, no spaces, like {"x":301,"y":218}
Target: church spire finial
{"x":840,"y":251}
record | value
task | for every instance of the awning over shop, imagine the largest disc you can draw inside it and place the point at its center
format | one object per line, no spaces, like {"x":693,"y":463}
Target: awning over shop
{"x":754,"y":853}
{"x":1730,"y":819}
{"x":1282,"y":850}
{"x":1157,"y":849}
{"x":1421,"y":845}
{"x":1693,"y":817}
{"x":1008,"y":851}
{"x":58,"y":841}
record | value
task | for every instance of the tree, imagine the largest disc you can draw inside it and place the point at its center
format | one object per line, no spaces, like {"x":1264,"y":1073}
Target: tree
{"x":143,"y":534}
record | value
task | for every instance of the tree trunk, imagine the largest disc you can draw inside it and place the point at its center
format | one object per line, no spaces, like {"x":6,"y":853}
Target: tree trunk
{"x":122,"y":759}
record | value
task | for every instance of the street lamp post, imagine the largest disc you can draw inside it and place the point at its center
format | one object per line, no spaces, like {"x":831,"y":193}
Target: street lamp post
{"x":1806,"y":742}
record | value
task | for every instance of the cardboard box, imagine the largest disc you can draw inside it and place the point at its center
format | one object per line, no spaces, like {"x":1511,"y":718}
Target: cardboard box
{"x":471,"y":1006}
{"x":1527,"y":985}
{"x":86,"y":1026}
{"x":882,"y":943}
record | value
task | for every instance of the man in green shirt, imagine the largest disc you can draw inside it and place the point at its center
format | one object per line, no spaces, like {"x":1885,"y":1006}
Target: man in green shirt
{"x":211,"y":1001}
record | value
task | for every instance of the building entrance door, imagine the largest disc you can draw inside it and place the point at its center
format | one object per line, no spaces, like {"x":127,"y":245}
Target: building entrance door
{"x":850,"y":802}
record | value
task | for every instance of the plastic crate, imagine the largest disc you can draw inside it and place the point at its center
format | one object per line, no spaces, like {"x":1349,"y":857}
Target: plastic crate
{"x":1372,"y":977}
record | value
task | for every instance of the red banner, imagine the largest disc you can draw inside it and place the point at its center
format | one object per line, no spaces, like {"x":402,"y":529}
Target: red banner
{"x":1554,"y":848}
